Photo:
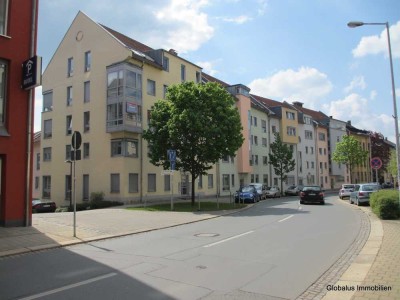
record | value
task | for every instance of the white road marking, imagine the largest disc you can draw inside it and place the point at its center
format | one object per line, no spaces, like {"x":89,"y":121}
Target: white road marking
{"x":228,"y":239}
{"x":287,"y":218}
{"x":67,"y":287}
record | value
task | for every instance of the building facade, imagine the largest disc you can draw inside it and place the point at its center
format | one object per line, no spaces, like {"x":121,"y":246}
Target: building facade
{"x":18,"y":29}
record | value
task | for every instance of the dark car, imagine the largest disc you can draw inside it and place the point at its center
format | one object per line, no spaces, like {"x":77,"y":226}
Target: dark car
{"x":312,"y":193}
{"x":40,"y":206}
{"x":247,"y":194}
{"x":362,"y":192}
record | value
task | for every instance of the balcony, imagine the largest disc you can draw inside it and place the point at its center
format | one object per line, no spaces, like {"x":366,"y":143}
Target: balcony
{"x":125,"y":123}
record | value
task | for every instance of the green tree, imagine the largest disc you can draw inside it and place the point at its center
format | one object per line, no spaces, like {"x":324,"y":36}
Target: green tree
{"x":349,"y":152}
{"x":281,"y":158}
{"x":200,"y":122}
{"x":392,"y":165}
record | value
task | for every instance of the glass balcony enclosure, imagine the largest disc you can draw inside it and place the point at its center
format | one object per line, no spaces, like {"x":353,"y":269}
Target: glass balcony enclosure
{"x":124,"y":98}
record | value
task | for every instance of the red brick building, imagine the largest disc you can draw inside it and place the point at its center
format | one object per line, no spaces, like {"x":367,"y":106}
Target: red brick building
{"x":18,"y":35}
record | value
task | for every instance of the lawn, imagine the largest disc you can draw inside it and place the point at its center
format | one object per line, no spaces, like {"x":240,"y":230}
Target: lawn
{"x":187,"y":207}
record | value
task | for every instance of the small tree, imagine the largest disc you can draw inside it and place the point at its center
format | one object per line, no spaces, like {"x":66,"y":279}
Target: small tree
{"x":349,"y":152}
{"x":392,"y":165}
{"x":281,"y":158}
{"x":200,"y":122}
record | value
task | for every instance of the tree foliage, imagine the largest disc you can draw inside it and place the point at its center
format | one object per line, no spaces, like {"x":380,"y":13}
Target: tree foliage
{"x":281,"y":158}
{"x":380,"y":149}
{"x":200,"y":122}
{"x":392,"y":165}
{"x":349,"y":152}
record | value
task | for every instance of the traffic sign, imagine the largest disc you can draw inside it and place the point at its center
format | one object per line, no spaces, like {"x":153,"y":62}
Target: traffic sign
{"x":171,"y":155}
{"x":76,"y":141}
{"x":376,"y":163}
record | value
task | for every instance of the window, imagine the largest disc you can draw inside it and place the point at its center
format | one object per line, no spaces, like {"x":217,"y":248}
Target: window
{"x":273,"y":128}
{"x":210,"y":181}
{"x":233,"y":180}
{"x":291,"y":131}
{"x":3,"y":83}
{"x":86,"y":91}
{"x":198,"y":77}
{"x":86,"y":150}
{"x":86,"y":121}
{"x":255,"y":140}
{"x":306,"y":149}
{"x":225,"y":182}
{"x":68,"y":152}
{"x":308,"y":135}
{"x":320,"y":151}
{"x":255,"y":121}
{"x":70,"y":66}
{"x":3,"y":16}
{"x":47,"y":154}
{"x":264,"y":126}
{"x":307,"y":120}
{"x":312,"y":150}
{"x":256,"y":160}
{"x":48,"y":128}
{"x":69,"y":96}
{"x":165,"y":88}
{"x":265,"y":179}
{"x":265,"y":160}
{"x":125,"y":147}
{"x":151,"y":183}
{"x":115,"y":114}
{"x":133,"y":182}
{"x":151,"y":87}
{"x":312,"y":165}
{"x":290,"y":115}
{"x":48,"y":101}
{"x":114,"y":183}
{"x":264,"y":142}
{"x":165,"y":63}
{"x":46,"y":191}
{"x":37,"y":161}
{"x":183,"y":73}
{"x":321,"y":136}
{"x":167,"y":183}
{"x":68,"y":125}
{"x":85,"y":187}
{"x":88,"y":61}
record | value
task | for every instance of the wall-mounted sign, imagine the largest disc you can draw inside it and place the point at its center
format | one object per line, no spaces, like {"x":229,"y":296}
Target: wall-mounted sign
{"x":131,"y":108}
{"x":32,"y":73}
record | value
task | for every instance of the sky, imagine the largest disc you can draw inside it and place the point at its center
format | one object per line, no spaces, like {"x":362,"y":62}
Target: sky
{"x":285,"y":50}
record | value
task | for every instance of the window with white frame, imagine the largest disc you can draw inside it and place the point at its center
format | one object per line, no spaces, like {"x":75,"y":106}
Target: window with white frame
{"x":3,"y":16}
{"x":124,"y":147}
{"x":307,"y":120}
{"x":264,"y":126}
{"x":70,"y":67}
{"x":308,"y":134}
{"x":291,"y":131}
{"x":47,"y":101}
{"x":88,"y":61}
{"x":151,"y":87}
{"x":290,"y":115}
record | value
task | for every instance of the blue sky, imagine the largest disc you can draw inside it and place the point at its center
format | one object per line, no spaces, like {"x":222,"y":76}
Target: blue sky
{"x":293,"y":50}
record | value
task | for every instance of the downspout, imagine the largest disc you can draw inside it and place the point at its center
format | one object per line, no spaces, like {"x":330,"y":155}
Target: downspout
{"x":269,"y":149}
{"x":29,"y":135}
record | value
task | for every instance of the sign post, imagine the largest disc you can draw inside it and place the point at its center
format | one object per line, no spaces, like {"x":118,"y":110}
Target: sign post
{"x":75,"y":144}
{"x":376,"y":163}
{"x":172,"y":158}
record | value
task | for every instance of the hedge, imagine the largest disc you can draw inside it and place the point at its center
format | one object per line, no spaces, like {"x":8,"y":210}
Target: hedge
{"x":385,"y":204}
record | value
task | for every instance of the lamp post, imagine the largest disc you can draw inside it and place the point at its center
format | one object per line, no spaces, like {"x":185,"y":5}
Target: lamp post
{"x":396,"y":124}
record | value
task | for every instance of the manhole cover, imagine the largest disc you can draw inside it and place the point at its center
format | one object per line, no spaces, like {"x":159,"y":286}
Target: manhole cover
{"x":206,"y":234}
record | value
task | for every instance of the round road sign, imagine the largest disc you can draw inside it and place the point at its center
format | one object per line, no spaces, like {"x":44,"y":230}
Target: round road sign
{"x":376,"y":163}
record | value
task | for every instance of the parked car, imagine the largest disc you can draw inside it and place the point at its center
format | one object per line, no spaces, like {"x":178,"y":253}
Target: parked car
{"x":273,"y":192}
{"x":362,"y":191}
{"x":387,"y":185}
{"x":247,"y":194}
{"x":345,"y":190}
{"x":39,"y":206}
{"x":293,"y":190}
{"x":261,"y":190}
{"x":312,"y":193}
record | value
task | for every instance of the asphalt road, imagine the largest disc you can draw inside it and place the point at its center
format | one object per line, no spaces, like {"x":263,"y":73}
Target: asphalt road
{"x":275,"y":249}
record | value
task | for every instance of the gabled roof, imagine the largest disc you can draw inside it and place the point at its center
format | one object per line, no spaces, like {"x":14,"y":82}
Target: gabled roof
{"x":209,"y":78}
{"x":36,"y":137}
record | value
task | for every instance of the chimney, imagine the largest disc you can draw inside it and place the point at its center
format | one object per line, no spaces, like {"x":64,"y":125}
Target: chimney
{"x":298,"y":104}
{"x":173,"y":52}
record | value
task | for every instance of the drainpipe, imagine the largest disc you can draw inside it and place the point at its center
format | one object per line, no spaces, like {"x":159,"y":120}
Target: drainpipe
{"x":30,"y":113}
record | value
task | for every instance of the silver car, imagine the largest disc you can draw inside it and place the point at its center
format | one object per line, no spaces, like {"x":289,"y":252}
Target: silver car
{"x":346,"y":190}
{"x":273,"y":192}
{"x":261,"y":190}
{"x":362,"y":191}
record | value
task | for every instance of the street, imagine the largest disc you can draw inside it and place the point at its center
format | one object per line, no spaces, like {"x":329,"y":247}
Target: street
{"x":274,"y":249}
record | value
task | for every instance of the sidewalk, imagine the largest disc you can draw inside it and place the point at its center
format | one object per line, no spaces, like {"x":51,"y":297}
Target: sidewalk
{"x":376,"y":268}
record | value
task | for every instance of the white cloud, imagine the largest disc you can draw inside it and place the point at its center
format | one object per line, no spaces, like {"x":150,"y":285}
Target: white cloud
{"x":378,"y":44}
{"x":237,"y":20}
{"x":373,"y":95}
{"x":208,"y":67}
{"x":307,"y":85}
{"x":262,"y":7}
{"x":188,"y":27}
{"x":354,"y":107}
{"x":357,"y":82}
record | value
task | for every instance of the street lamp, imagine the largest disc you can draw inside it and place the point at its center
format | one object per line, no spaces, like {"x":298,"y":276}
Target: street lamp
{"x":396,"y":124}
